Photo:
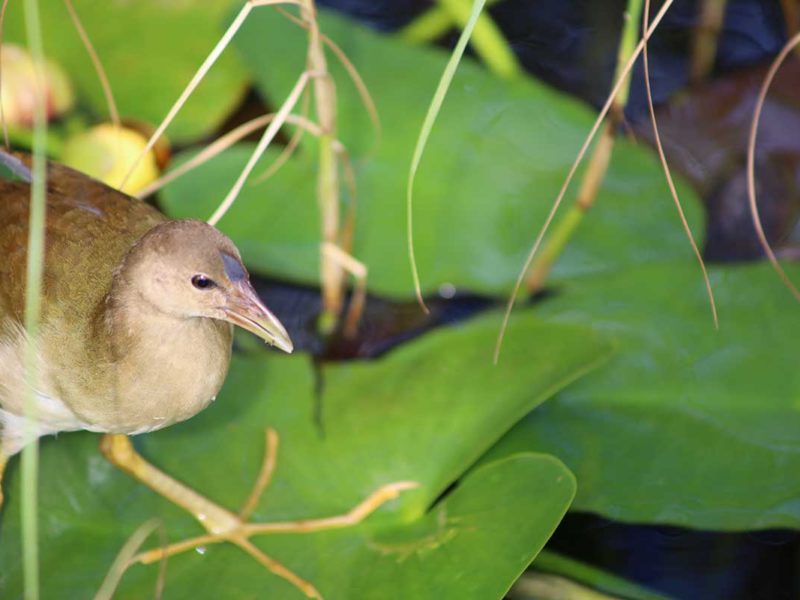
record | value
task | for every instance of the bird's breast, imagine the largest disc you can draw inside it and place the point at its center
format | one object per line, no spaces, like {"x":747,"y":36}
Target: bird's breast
{"x":164,"y":375}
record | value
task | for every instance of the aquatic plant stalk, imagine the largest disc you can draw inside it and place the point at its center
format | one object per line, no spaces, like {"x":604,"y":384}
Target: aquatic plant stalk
{"x":33,"y":292}
{"x":331,"y":272}
{"x":597,"y":165}
{"x":570,"y":175}
{"x":431,"y":24}
{"x":487,"y":39}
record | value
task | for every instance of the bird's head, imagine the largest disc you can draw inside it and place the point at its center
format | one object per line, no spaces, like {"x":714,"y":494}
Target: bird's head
{"x":188,"y":269}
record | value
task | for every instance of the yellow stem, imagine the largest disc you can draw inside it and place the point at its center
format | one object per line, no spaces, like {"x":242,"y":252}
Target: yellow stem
{"x":706,"y":37}
{"x":487,"y":40}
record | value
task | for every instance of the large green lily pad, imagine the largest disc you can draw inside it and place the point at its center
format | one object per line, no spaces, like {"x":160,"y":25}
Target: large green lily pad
{"x":150,"y":50}
{"x":424,"y":412}
{"x":495,"y":161}
{"x":686,"y":425}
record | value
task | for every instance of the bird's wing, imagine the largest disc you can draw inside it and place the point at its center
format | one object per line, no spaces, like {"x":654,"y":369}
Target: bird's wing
{"x":89,"y":228}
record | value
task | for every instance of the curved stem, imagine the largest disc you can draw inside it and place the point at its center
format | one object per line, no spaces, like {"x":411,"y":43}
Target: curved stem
{"x":751,"y":176}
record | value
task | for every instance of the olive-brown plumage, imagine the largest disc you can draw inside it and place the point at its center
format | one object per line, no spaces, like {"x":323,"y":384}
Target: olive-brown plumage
{"x":136,"y":311}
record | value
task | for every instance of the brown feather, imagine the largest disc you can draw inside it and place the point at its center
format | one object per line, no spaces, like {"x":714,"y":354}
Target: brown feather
{"x":111,"y":360}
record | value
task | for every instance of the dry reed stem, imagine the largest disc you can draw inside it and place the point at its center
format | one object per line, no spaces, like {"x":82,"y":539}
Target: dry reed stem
{"x":578,"y":159}
{"x":331,"y":273}
{"x":358,"y":300}
{"x":352,"y":72}
{"x":668,"y":175}
{"x":200,"y":75}
{"x":223,"y":143}
{"x":290,"y":148}
{"x":597,"y":166}
{"x":98,"y":65}
{"x":751,"y":152}
{"x":266,"y":139}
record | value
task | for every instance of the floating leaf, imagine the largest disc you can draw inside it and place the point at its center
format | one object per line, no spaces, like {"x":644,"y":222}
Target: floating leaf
{"x":424,"y":412}
{"x":686,"y":425}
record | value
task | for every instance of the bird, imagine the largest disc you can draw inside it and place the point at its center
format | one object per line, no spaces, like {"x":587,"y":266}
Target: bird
{"x":136,"y":331}
{"x":137,"y":312}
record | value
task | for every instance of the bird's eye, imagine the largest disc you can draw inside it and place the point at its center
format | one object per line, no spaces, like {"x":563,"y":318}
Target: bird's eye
{"x":201,"y":282}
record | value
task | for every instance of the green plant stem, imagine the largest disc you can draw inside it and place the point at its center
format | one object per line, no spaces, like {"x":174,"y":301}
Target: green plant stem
{"x":428,"y":27}
{"x":487,"y":39}
{"x":627,"y":44}
{"x":425,"y":131}
{"x":331,"y":273}
{"x":328,"y":195}
{"x":543,"y":586}
{"x":555,"y":245}
{"x":597,"y":165}
{"x":33,"y":291}
{"x":558,"y":564}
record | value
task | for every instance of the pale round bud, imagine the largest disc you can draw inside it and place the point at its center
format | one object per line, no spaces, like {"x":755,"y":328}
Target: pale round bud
{"x":107,"y":152}
{"x":18,"y":87}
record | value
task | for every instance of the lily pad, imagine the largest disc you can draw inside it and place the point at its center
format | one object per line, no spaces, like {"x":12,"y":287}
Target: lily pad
{"x":150,"y":50}
{"x":495,"y":161}
{"x":686,"y":425}
{"x":424,"y":412}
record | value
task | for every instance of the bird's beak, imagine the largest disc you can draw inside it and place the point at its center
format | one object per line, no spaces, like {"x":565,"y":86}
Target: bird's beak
{"x":246,"y":310}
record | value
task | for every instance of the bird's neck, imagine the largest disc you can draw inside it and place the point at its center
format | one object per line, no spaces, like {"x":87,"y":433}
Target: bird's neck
{"x":126,"y":321}
{"x":138,"y":331}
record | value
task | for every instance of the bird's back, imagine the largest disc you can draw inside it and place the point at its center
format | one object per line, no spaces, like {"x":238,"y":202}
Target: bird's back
{"x":89,"y":228}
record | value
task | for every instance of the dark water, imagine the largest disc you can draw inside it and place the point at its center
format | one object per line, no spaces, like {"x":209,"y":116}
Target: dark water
{"x":688,"y":564}
{"x":384,"y":324}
